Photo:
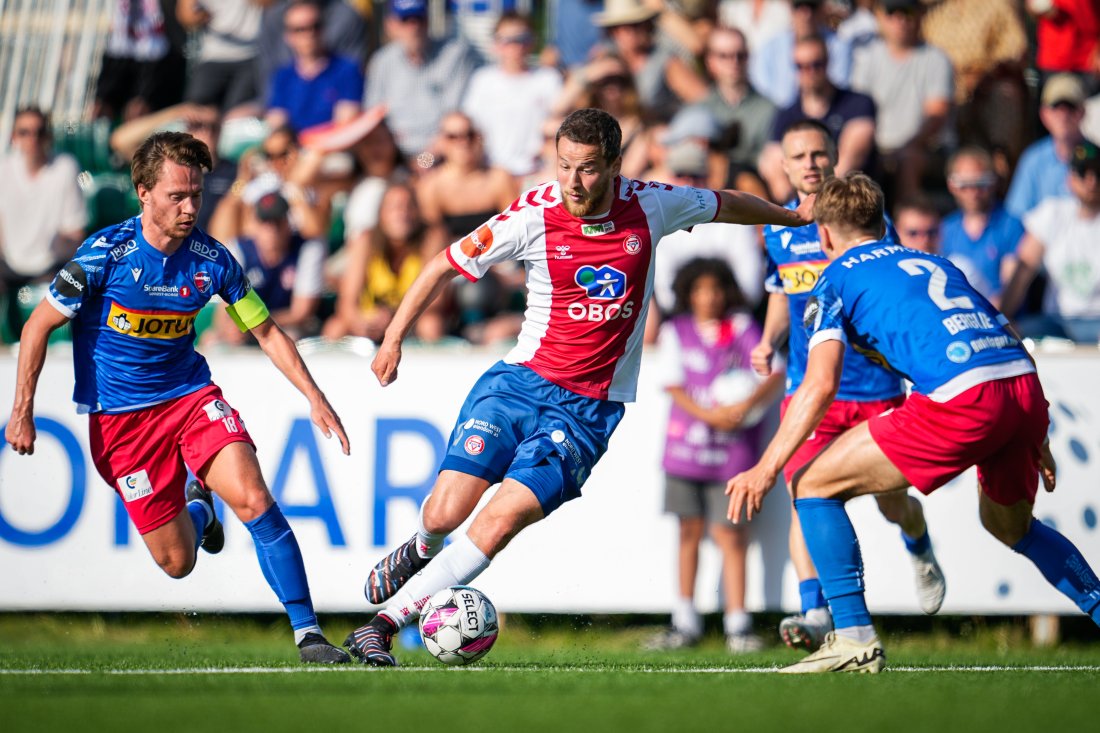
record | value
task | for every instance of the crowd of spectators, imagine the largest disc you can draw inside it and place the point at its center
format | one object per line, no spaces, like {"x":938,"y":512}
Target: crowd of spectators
{"x":386,"y":134}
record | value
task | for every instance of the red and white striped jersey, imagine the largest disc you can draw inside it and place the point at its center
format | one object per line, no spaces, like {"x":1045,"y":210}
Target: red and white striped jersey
{"x":589,"y":280}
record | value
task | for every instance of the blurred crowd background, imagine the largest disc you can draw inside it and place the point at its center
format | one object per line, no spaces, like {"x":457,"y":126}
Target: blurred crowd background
{"x":355,"y":139}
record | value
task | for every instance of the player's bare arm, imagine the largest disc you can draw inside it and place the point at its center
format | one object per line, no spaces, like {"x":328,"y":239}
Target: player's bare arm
{"x":427,"y":286}
{"x":805,"y":411}
{"x":20,"y":433}
{"x":284,"y":355}
{"x":744,"y":208}
{"x":777,"y":324}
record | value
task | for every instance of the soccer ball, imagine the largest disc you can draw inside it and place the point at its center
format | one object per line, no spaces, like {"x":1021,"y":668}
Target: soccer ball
{"x":737,"y":385}
{"x":458,"y":625}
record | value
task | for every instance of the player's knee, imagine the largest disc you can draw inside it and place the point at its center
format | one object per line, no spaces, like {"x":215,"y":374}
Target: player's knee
{"x":495,"y":530}
{"x":251,"y":503}
{"x":176,"y":564}
{"x":439,"y":518}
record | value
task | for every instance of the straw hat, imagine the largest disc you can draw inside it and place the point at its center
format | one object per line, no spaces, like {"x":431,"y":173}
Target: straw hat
{"x":624,"y":12}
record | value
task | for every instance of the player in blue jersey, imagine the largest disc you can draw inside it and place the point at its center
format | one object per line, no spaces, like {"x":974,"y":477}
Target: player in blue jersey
{"x":976,"y":401}
{"x":131,"y":293}
{"x":795,"y":261}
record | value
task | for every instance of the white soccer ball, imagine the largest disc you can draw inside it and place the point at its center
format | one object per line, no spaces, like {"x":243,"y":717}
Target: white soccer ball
{"x":458,"y":625}
{"x":737,"y":385}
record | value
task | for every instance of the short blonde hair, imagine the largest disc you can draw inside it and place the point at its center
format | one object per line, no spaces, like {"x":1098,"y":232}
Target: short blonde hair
{"x":178,"y":147}
{"x":852,"y":202}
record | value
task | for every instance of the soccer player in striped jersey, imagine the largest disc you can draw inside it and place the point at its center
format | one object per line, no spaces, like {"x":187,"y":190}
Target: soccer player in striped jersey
{"x":539,"y":420}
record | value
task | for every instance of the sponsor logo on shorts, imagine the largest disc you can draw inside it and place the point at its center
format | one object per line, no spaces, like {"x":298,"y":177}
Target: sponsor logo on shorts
{"x":800,"y":277}
{"x":959,"y":352}
{"x":477,"y":242}
{"x":123,"y":249}
{"x":474,"y":445}
{"x":202,"y":281}
{"x":632,"y":244}
{"x":597,"y":230}
{"x":150,"y":324}
{"x":217,"y":410}
{"x":135,"y":486}
{"x":71,"y":281}
{"x":204,"y":250}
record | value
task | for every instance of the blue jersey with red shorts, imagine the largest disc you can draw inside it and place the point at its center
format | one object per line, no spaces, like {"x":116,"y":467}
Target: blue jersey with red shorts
{"x":795,"y":261}
{"x":976,"y":398}
{"x":133,"y":312}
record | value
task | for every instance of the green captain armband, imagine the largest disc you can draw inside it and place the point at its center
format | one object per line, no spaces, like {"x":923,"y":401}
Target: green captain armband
{"x":248,"y":312}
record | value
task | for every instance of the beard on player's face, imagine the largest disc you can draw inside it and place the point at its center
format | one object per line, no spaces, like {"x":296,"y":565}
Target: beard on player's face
{"x":592,"y":198}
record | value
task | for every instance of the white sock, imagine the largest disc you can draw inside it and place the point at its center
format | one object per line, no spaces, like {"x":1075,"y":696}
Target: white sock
{"x":737,"y":622}
{"x":685,"y":618}
{"x":820,"y":616}
{"x":428,"y":543}
{"x":862,"y":634}
{"x":300,"y":634}
{"x":457,"y":564}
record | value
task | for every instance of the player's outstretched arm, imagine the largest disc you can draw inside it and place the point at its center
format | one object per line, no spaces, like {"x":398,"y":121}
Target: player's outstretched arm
{"x":428,"y":284}
{"x":284,"y":355}
{"x":20,"y":433}
{"x":807,"y":407}
{"x":739,"y":207}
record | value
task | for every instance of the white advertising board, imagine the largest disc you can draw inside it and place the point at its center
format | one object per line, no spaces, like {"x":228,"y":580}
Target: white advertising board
{"x":65,"y":543}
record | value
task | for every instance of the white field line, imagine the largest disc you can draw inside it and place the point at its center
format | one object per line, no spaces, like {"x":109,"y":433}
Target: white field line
{"x":537,"y":670}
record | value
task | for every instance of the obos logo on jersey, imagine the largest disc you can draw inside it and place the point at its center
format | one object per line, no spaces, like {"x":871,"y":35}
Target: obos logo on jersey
{"x":150,"y":324}
{"x":800,"y":277}
{"x":602,"y":283}
{"x":477,"y":242}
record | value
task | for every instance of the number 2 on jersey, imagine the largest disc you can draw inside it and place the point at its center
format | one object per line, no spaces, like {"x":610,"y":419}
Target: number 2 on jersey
{"x":937,"y":284}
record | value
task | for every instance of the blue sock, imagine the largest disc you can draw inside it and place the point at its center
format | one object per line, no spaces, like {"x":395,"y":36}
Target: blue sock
{"x":200,"y":515}
{"x":282,"y":565}
{"x":810,"y":592}
{"x":917,"y":546}
{"x":1063,"y":565}
{"x":833,"y":546}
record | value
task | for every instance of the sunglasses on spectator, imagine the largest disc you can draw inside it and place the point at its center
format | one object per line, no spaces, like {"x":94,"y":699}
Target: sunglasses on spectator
{"x":923,"y":233}
{"x":611,"y":80}
{"x":521,"y":39}
{"x":311,"y":28}
{"x":979,"y":182}
{"x":907,"y":12}
{"x":464,"y":135}
{"x":277,"y":154}
{"x":410,"y":19}
{"x":817,"y":65}
{"x":200,"y":125}
{"x":38,"y":132}
{"x":729,"y":55}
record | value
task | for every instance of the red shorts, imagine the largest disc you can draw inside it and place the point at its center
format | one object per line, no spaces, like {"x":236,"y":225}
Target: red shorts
{"x":142,"y":453}
{"x":841,"y":415}
{"x":998,"y":426}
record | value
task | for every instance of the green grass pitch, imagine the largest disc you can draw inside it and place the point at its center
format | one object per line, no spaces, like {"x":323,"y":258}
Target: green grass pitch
{"x":158,"y":674}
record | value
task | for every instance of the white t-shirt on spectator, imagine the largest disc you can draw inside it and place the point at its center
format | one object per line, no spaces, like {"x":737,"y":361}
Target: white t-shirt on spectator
{"x":1071,"y":257}
{"x":361,"y":213}
{"x":509,"y":110}
{"x":34,"y":210}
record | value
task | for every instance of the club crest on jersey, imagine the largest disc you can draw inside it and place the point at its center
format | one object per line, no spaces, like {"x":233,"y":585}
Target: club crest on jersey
{"x":202,"y":281}
{"x":603,"y":283}
{"x":150,"y":324}
{"x":477,"y":242}
{"x":597,"y":230}
{"x":474,"y":445}
{"x":632,"y":244}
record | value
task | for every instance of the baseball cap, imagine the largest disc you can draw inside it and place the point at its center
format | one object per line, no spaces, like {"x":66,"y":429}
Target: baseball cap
{"x":694,"y":121}
{"x":271,"y":207}
{"x":1063,"y":88}
{"x":1085,"y":158}
{"x":889,"y":5}
{"x":409,"y":8}
{"x":687,"y":158}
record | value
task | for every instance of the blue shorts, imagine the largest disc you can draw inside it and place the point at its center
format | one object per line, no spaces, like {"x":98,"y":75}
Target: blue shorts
{"x":516,"y":424}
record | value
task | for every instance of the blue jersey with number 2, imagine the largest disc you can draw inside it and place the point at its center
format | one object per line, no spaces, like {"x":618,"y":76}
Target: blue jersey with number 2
{"x":916,"y":314}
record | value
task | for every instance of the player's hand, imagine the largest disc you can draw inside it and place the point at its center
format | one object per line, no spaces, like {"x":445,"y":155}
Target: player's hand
{"x":385,"y":361}
{"x":728,"y":418}
{"x":747,"y":490}
{"x":1048,"y":469}
{"x":761,"y":358}
{"x":328,"y":421}
{"x":805,"y":209}
{"x":20,"y":433}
